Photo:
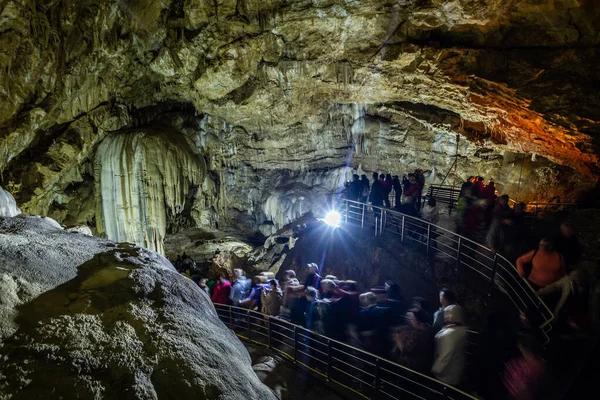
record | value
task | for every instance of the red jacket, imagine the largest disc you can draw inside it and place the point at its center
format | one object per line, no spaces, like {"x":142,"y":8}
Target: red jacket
{"x":413,"y":191}
{"x":221,"y":293}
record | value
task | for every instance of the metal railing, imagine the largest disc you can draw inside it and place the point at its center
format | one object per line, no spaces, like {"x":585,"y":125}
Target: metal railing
{"x":363,"y":373}
{"x":464,"y":252}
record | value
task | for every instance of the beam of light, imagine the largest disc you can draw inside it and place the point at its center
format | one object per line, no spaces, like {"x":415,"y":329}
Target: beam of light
{"x":333,"y":219}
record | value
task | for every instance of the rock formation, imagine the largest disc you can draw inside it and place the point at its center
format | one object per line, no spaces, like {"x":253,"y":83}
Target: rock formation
{"x":282,"y":100}
{"x":83,"y":318}
{"x":142,"y":177}
{"x":8,"y":205}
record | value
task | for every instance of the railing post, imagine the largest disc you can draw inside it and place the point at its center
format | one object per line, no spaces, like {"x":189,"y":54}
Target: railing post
{"x":428,"y":238}
{"x":402,"y":231}
{"x":376,"y":384}
{"x":376,"y":223}
{"x":230,"y":318}
{"x":295,"y":344}
{"x":328,"y":360}
{"x":362,"y":218}
{"x":445,"y":393}
{"x":347,"y":205}
{"x":493,"y":279}
{"x":249,"y":327}
{"x":269,"y":331}
{"x":458,"y":252}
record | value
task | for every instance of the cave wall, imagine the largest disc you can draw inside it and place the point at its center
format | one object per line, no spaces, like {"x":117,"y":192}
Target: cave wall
{"x":282,"y":100}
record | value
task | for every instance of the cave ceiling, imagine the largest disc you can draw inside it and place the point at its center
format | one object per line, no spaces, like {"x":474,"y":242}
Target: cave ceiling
{"x":520,"y":76}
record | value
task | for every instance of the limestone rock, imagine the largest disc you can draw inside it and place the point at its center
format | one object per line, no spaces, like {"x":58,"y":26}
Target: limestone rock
{"x":285,"y":100}
{"x":96,"y":321}
{"x":84,"y":230}
{"x":142,"y":177}
{"x":8,"y":205}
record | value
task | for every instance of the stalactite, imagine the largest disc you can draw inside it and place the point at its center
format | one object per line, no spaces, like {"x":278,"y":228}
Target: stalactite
{"x":139,"y":176}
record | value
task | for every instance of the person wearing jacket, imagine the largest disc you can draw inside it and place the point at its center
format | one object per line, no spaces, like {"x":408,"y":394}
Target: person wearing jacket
{"x":449,"y":347}
{"x":413,"y":190}
{"x":221,"y":291}
{"x":397,"y":186}
{"x":240,"y":288}
{"x":547,"y":265}
{"x":271,"y":299}
{"x":430,"y":211}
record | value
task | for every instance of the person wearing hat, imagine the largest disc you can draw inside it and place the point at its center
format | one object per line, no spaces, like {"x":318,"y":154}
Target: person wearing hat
{"x":450,"y":344}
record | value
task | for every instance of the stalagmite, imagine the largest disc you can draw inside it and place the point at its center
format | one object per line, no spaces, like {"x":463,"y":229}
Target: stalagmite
{"x":141,"y":178}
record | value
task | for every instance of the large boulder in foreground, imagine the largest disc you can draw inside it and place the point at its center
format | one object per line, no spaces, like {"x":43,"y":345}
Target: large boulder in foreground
{"x":91,"y":320}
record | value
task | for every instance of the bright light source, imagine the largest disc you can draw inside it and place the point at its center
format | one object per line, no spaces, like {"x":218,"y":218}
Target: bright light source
{"x":333,"y":219}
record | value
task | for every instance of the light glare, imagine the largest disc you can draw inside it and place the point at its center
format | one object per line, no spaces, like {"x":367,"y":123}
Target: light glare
{"x":333,"y":219}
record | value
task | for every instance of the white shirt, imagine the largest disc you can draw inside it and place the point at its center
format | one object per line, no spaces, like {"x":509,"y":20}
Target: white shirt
{"x":449,"y":356}
{"x":430,"y":214}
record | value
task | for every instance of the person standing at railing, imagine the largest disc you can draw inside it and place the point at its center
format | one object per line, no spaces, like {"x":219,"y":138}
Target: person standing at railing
{"x":414,"y":343}
{"x":477,"y":186}
{"x":523,"y":376}
{"x":568,"y":245}
{"x":397,"y":191}
{"x":447,"y":298}
{"x":413,"y":190}
{"x":377,"y":192}
{"x":387,"y":189}
{"x":365,"y":189}
{"x":354,"y":188}
{"x":543,"y":266}
{"x":450,"y":346}
{"x":420,"y":179}
{"x":221,"y":291}
{"x":466,"y":185}
{"x":271,"y":299}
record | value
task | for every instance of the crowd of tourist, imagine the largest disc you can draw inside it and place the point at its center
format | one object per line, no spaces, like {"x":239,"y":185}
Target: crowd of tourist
{"x":379,"y":320}
{"x":433,"y":342}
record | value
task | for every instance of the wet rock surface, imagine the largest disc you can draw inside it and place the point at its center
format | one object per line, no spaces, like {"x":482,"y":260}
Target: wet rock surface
{"x":83,"y":318}
{"x":279,"y":101}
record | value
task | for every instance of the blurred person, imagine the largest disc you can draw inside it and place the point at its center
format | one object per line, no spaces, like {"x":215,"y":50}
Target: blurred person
{"x":543,"y":266}
{"x":271,"y":298}
{"x":477,"y":186}
{"x":254,"y":300}
{"x":449,"y":347}
{"x":240,"y":288}
{"x":466,"y":185}
{"x":204,"y":286}
{"x":397,"y":186}
{"x":365,"y":189}
{"x":413,"y":191}
{"x":524,"y":375}
{"x":408,"y":207}
{"x":387,"y":186}
{"x":568,"y":245}
{"x":430,"y":211}
{"x":221,"y":291}
{"x":502,"y":209}
{"x":414,"y":343}
{"x":355,"y":188}
{"x":573,"y":307}
{"x":312,"y":278}
{"x":447,"y":298}
{"x":501,"y":238}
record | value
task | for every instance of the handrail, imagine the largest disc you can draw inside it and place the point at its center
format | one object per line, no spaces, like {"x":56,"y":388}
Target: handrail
{"x":494,"y":267}
{"x":371,"y":376}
